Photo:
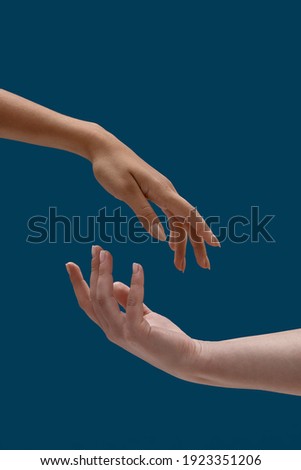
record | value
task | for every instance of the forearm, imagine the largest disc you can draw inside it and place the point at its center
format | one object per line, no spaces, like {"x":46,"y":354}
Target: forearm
{"x":268,"y":362}
{"x":23,"y":120}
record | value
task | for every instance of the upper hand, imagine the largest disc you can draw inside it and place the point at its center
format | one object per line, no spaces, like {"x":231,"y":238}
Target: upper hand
{"x":129,"y":178}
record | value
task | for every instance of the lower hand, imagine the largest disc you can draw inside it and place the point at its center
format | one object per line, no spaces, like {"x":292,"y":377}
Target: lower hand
{"x":139,"y":330}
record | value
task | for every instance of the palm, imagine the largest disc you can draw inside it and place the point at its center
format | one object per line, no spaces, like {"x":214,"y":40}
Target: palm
{"x":159,"y":321}
{"x":164,"y":344}
{"x":140,"y":331}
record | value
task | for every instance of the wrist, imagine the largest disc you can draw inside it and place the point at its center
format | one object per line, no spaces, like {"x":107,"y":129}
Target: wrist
{"x":91,"y":140}
{"x":203,"y":364}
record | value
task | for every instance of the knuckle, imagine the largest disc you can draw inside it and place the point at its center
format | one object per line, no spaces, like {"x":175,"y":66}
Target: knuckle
{"x":129,"y":333}
{"x":147,"y":212}
{"x":166,"y":184}
{"x":81,"y":304}
{"x":127,"y":187}
{"x":132,"y":301}
{"x":92,"y":296}
{"x":135,"y":283}
{"x":113,"y":335}
{"x":101,"y":299}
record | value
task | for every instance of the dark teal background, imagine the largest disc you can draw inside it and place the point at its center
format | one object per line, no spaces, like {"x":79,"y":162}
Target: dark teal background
{"x":208,"y":93}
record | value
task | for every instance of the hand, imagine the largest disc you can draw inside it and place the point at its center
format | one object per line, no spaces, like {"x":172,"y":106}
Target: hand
{"x":129,"y":178}
{"x":117,"y":168}
{"x":144,"y":333}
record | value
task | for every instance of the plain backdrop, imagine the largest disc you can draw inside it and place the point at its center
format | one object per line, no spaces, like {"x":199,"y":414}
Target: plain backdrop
{"x":207,"y":93}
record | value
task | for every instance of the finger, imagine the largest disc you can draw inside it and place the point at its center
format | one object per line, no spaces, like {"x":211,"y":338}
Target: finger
{"x":145,"y":213}
{"x":121,"y":293}
{"x":94,"y":270}
{"x":181,"y":208}
{"x":106,"y":306}
{"x":172,"y":239}
{"x":180,"y":251}
{"x":177,"y":241}
{"x":81,"y":289}
{"x":134,"y":305}
{"x":199,"y":248}
{"x":172,"y":234}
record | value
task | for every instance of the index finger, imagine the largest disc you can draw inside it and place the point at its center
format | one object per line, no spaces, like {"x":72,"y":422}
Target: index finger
{"x":105,"y":304}
{"x":81,"y":289}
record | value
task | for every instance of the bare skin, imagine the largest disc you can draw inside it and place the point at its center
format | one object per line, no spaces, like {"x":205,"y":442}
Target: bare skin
{"x":268,"y":362}
{"x":116,"y":167}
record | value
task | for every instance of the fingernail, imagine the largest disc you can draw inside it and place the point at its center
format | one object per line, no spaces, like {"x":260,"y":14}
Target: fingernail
{"x":208,"y":266}
{"x":175,"y":262}
{"x":67,"y":267}
{"x":93,"y":251}
{"x":183,"y":265}
{"x":102,"y":256}
{"x":216,"y":240}
{"x":158,"y":232}
{"x":135,"y":268}
{"x":161,"y":233}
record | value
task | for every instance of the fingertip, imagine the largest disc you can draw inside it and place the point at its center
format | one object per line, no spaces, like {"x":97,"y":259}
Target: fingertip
{"x":102,"y":256}
{"x":180,"y":258}
{"x":135,"y":268}
{"x":70,"y":266}
{"x":118,"y":284}
{"x":214,"y":241}
{"x":105,"y":263}
{"x":95,"y":250}
{"x":74,"y":272}
{"x":137,"y":274}
{"x":178,"y":264}
{"x":157,"y":231}
{"x":134,"y":307}
{"x":202,"y":263}
{"x":184,"y":265}
{"x":105,"y":257}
